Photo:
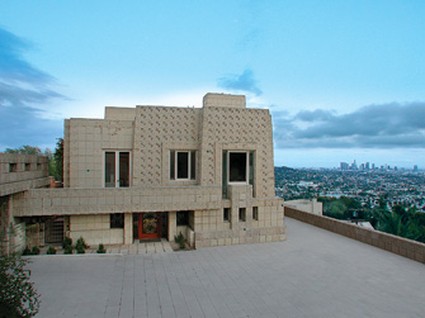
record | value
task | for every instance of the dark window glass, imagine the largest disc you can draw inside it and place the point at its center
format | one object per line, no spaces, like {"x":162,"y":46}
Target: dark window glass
{"x":13,"y":167}
{"x":226,"y":214}
{"x":224,"y":178}
{"x":117,"y":220}
{"x":172,"y":163}
{"x":182,"y":165}
{"x":182,"y":218}
{"x":255,"y":213}
{"x":237,"y":167}
{"x":124,"y":169}
{"x":193,"y":165}
{"x":242,"y":214}
{"x":109,"y":169}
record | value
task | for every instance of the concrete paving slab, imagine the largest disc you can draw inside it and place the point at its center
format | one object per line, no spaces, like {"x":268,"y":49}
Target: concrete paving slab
{"x":314,"y":273}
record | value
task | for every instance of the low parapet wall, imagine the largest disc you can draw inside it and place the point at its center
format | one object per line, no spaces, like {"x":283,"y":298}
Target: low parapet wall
{"x":395,"y":244}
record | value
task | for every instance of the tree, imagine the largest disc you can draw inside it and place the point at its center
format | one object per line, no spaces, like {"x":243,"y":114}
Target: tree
{"x":58,"y":159}
{"x":26,"y":150}
{"x":18,"y":296}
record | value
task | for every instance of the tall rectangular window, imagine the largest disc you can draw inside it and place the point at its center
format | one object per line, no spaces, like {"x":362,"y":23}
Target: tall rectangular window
{"x":109,"y":169}
{"x":242,"y":214}
{"x":237,"y":167}
{"x":182,"y":165}
{"x":255,"y":213}
{"x":117,"y":169}
{"x":226,"y":214}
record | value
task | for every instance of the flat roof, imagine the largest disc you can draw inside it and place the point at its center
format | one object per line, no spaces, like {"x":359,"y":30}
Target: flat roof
{"x":314,"y":273}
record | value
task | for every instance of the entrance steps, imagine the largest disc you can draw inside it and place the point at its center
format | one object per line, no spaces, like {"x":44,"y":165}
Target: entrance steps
{"x":151,"y":247}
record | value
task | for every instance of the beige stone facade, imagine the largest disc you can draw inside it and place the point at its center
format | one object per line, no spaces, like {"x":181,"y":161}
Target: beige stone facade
{"x":18,"y":174}
{"x":153,"y":172}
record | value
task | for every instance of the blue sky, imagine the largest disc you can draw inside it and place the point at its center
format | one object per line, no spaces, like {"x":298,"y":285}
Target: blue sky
{"x":343,"y":80}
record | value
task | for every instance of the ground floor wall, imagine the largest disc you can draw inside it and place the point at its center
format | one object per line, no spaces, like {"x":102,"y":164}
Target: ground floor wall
{"x":264,"y":225}
{"x":97,"y":229}
{"x":12,"y":231}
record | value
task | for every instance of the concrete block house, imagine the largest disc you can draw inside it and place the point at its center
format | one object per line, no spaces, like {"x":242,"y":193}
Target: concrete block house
{"x":152,"y":172}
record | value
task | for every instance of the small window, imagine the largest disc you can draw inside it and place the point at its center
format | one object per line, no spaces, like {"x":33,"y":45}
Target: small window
{"x":255,"y":213}
{"x":182,"y":165}
{"x":226,"y":214}
{"x":117,"y":221}
{"x":27,"y":166}
{"x":13,"y":167}
{"x":242,"y":214}
{"x":182,"y":218}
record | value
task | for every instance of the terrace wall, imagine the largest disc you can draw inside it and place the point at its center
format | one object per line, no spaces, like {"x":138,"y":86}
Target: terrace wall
{"x":395,"y":244}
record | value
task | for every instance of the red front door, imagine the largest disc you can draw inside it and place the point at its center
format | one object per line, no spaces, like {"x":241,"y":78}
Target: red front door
{"x":149,"y":226}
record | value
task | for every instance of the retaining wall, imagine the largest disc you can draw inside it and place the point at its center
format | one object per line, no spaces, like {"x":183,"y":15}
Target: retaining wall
{"x":395,"y":244}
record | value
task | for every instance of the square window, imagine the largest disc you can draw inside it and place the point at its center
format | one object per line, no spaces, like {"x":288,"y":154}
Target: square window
{"x":13,"y":167}
{"x":226,"y":214}
{"x":27,"y":166}
{"x":255,"y":213}
{"x":242,"y":214}
{"x":182,"y":218}
{"x":117,"y":220}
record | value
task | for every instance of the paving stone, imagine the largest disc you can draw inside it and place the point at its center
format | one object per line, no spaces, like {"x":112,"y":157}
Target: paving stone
{"x":314,"y":273}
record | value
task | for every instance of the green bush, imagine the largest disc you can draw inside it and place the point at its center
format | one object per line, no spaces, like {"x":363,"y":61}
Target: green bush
{"x":51,"y":250}
{"x":179,"y":239}
{"x":18,"y":296}
{"x":26,"y":251}
{"x":35,"y":250}
{"x":81,"y":246}
{"x":101,"y":249}
{"x":68,"y":249}
{"x":67,"y":241}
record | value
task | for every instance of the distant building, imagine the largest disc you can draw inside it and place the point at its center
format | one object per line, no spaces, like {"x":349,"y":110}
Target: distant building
{"x":153,"y":172}
{"x":344,"y":166}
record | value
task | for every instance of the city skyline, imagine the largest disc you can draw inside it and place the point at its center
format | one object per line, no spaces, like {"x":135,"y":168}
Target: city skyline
{"x":341,"y":79}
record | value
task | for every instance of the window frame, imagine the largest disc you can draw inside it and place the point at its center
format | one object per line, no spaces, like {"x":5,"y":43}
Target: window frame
{"x":117,"y":168}
{"x":191,"y":165}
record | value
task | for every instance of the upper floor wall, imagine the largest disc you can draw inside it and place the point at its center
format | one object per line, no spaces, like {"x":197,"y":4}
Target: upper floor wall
{"x":172,"y":146}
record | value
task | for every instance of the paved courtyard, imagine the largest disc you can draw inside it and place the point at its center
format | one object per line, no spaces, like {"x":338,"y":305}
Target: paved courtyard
{"x":314,"y":273}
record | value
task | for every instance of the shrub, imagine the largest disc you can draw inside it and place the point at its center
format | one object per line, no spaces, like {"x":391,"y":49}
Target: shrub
{"x":80,"y":249}
{"x":68,"y":249}
{"x":179,"y":239}
{"x":27,"y":251}
{"x":101,"y":249}
{"x":81,"y":246}
{"x":18,"y":296}
{"x":67,"y":241}
{"x":35,"y":250}
{"x":51,"y":250}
